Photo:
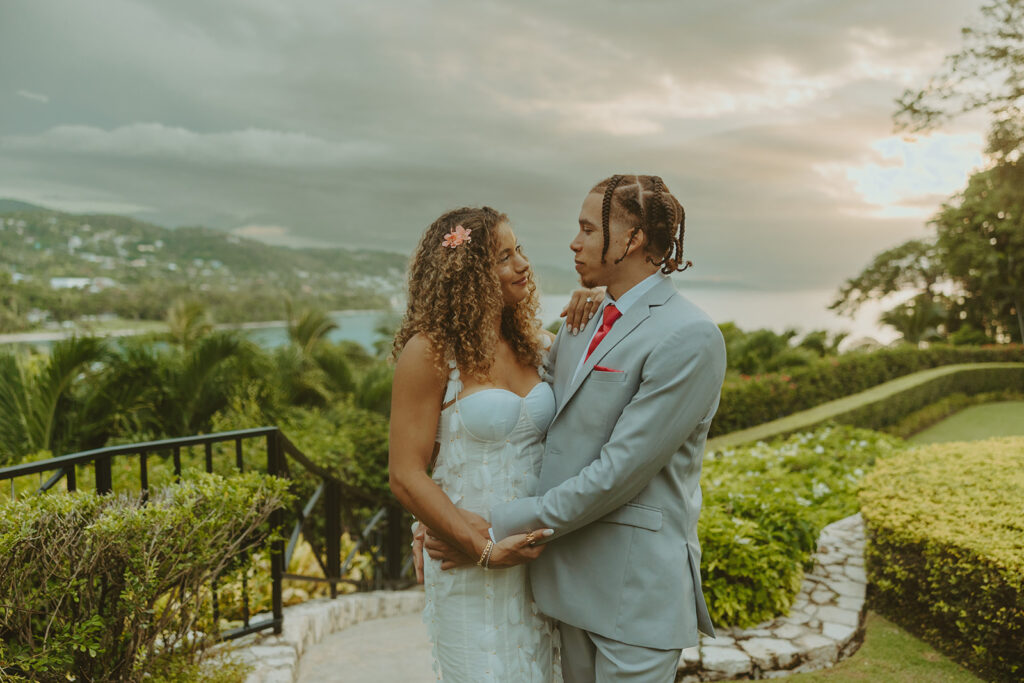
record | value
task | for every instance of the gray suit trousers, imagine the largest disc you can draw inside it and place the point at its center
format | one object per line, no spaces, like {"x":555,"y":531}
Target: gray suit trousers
{"x":589,"y":658}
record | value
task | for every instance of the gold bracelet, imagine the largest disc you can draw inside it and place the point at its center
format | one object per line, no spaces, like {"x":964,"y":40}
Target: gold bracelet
{"x":487,"y":562}
{"x":486,"y":554}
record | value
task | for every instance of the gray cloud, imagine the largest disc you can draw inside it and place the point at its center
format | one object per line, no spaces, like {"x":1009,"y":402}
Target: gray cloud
{"x":358,"y":123}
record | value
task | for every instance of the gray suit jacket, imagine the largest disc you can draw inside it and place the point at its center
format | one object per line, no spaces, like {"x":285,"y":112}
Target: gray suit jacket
{"x":620,"y":482}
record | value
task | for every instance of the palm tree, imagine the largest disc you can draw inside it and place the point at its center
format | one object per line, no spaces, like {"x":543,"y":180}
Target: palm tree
{"x":310,"y":329}
{"x":916,"y":320}
{"x":36,"y":396}
{"x":312,"y":371}
{"x":187,"y":322}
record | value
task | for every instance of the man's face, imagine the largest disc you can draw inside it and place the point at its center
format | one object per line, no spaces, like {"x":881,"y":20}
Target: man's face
{"x":589,"y":242}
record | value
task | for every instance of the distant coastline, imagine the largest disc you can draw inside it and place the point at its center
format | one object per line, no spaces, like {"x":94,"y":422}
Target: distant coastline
{"x":50,"y":336}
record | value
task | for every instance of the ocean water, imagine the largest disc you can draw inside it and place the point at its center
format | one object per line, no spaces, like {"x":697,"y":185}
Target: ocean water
{"x":803,"y":310}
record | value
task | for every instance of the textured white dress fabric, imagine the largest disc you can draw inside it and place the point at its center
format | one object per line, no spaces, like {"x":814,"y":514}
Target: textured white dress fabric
{"x":484,"y":625}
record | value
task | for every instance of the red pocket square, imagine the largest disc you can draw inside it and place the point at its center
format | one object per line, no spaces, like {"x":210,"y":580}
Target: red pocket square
{"x":601,"y":368}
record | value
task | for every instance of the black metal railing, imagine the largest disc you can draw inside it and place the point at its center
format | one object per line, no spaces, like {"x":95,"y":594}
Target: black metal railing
{"x":384,"y":541}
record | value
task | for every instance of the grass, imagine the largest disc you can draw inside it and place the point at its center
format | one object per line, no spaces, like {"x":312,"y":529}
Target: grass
{"x":891,"y":655}
{"x":807,"y":419}
{"x":1005,"y":418}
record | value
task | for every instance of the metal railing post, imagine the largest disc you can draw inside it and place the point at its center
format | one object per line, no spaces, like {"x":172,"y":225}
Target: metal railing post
{"x":104,"y":478}
{"x":393,"y":543}
{"x":274,"y":468}
{"x":332,"y":529}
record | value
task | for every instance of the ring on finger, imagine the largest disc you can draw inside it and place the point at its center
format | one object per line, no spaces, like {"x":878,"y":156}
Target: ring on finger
{"x":590,"y":299}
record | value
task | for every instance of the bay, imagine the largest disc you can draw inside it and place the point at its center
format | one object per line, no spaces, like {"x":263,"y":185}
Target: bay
{"x":803,"y":310}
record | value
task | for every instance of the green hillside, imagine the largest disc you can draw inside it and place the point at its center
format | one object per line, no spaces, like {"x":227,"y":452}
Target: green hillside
{"x":11,"y":205}
{"x":57,"y":267}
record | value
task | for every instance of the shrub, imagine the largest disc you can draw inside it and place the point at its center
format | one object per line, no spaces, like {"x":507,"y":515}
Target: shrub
{"x":748,"y":401}
{"x":945,"y":552}
{"x":971,"y":381}
{"x":105,"y":587}
{"x":884,"y":405}
{"x":764,"y":506}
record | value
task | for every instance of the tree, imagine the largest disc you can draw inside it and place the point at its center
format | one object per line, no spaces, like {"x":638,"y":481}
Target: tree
{"x":916,"y":320}
{"x":915,"y":265}
{"x":35,"y":396}
{"x":982,"y":237}
{"x":188,"y":322}
{"x":979,"y":243}
{"x":986,"y":74}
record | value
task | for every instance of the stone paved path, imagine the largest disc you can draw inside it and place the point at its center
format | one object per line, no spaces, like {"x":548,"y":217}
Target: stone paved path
{"x":379,"y":651}
{"x":380,"y":637}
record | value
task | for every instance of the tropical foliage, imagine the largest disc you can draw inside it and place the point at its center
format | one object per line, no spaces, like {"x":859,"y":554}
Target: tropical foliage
{"x":764,"y":506}
{"x":89,"y":392}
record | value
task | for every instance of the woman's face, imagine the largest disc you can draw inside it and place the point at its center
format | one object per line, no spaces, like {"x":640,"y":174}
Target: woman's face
{"x":512,"y":267}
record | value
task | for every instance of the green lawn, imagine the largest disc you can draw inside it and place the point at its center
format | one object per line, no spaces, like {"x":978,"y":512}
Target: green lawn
{"x":890,"y":655}
{"x":976,"y":422}
{"x":807,"y":419}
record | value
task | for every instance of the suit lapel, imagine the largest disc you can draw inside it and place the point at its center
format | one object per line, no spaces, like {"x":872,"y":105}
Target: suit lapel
{"x":631,"y":319}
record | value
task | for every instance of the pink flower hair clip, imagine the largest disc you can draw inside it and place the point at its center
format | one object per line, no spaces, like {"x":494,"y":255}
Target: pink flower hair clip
{"x":457,"y":237}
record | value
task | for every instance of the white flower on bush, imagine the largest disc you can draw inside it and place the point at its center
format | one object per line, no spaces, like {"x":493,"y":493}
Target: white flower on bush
{"x":820,"y":488}
{"x":742,"y":540}
{"x":819,"y":449}
{"x":803,"y":501}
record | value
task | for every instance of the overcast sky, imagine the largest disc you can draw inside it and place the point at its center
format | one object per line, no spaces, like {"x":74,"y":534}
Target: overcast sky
{"x":357,"y":123}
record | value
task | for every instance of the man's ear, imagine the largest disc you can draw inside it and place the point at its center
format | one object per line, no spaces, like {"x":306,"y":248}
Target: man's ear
{"x":637,"y":240}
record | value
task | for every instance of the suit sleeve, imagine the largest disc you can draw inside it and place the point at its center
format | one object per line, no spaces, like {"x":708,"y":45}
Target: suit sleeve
{"x":680,"y":384}
{"x":548,"y":367}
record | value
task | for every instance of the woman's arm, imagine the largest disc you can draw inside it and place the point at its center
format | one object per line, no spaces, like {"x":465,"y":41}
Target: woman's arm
{"x":417,"y":392}
{"x":416,"y":395}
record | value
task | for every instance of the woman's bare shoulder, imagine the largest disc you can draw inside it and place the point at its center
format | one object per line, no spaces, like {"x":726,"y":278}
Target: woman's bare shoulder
{"x":417,"y":360}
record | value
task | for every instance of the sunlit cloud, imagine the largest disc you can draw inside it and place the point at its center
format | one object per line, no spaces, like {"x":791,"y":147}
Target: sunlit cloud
{"x":907,"y":178}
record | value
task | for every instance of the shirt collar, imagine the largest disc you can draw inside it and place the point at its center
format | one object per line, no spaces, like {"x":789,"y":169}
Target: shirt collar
{"x":635,"y":293}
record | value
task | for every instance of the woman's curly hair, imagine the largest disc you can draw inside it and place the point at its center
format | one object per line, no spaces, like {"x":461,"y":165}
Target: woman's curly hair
{"x":455,"y":298}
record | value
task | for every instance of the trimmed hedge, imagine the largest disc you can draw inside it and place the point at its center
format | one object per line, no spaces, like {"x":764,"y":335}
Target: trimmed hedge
{"x":945,"y":552}
{"x":764,"y":506}
{"x":922,"y":419}
{"x":108,"y":587}
{"x":888,"y":403}
{"x":750,"y":401}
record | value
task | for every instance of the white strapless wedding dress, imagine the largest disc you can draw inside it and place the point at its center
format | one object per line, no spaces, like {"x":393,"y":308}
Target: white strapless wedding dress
{"x":484,"y":625}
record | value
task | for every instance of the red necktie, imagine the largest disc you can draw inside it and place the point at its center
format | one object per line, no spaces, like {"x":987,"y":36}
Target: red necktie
{"x":611,"y":314}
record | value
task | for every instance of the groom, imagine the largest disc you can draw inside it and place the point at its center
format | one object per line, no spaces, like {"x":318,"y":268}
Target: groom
{"x":636,"y":389}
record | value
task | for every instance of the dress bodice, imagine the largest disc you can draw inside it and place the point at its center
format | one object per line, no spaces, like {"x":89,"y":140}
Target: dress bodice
{"x":491,"y":443}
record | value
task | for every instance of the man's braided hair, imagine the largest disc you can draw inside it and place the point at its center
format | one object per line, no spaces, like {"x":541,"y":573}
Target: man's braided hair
{"x":643,"y":202}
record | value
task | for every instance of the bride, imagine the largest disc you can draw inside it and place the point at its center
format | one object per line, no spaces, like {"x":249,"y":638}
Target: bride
{"x":469,"y":414}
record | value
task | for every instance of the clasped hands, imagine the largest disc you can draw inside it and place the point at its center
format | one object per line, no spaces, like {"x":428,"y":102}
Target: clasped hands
{"x":507,"y":552}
